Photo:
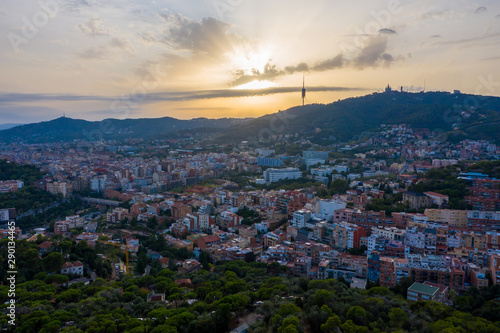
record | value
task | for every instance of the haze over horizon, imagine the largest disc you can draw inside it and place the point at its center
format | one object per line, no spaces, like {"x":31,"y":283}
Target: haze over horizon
{"x":92,"y":59}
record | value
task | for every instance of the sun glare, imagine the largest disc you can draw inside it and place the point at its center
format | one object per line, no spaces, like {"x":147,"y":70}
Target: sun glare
{"x":250,"y":60}
{"x":256,"y":84}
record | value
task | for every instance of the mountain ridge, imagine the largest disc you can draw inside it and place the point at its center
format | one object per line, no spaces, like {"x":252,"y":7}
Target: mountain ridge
{"x":64,"y":128}
{"x":459,"y":115}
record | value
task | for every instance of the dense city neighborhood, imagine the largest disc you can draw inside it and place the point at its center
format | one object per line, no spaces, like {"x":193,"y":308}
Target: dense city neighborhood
{"x":365,"y":213}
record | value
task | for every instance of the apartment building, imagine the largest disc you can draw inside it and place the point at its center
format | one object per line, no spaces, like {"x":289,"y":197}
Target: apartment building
{"x":453,"y":218}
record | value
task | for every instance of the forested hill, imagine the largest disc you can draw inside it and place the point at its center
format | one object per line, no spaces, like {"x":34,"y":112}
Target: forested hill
{"x":466,"y":116}
{"x":459,"y":115}
{"x":67,"y":129}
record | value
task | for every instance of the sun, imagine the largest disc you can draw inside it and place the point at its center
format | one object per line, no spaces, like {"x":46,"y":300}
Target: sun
{"x":251,"y":58}
{"x":256,"y":84}
{"x":251,"y":61}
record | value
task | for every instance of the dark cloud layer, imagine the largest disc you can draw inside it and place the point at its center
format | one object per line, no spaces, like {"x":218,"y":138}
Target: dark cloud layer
{"x":481,"y":10}
{"x":10,"y":98}
{"x":387,"y":31}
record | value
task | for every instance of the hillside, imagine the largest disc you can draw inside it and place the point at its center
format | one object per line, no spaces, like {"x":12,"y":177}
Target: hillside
{"x":458,"y":116}
{"x":66,"y":129}
{"x":343,"y":120}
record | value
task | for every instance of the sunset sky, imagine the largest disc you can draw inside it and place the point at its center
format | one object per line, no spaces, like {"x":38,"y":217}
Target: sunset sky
{"x":96,"y":59}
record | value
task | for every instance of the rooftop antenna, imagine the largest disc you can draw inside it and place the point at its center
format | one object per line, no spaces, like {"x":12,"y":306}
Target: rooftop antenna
{"x":303,"y":90}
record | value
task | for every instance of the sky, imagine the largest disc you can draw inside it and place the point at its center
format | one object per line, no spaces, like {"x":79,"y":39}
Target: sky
{"x":97,"y":59}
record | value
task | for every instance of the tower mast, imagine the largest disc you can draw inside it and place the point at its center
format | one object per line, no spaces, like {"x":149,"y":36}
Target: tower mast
{"x":303,"y":90}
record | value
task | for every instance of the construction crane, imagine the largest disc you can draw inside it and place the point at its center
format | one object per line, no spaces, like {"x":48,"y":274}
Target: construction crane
{"x":127,"y":250}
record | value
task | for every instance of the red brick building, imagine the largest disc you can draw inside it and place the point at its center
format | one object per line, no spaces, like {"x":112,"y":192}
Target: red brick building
{"x":369,"y":219}
{"x":207,"y":241}
{"x":485,"y":195}
{"x":387,"y":277}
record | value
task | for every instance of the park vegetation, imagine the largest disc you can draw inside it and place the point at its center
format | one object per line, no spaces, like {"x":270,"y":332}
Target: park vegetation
{"x":220,"y":297}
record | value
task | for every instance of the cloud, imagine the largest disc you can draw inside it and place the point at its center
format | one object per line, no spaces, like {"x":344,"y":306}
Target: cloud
{"x":20,"y":97}
{"x":325,"y":65}
{"x":271,"y":72}
{"x":104,"y":51}
{"x":79,"y":6}
{"x":374,"y":53}
{"x":387,"y":31}
{"x":434,"y":15}
{"x":147,"y":37}
{"x":93,"y":27}
{"x":122,"y":44}
{"x":302,"y":67}
{"x":202,"y":109}
{"x":232,"y":93}
{"x":210,"y":37}
{"x":13,"y":98}
{"x":470,"y":42}
{"x":93,"y":53}
{"x":449,"y":15}
{"x":195,"y":44}
{"x":481,"y":10}
{"x":491,"y":58}
{"x":111,"y":113}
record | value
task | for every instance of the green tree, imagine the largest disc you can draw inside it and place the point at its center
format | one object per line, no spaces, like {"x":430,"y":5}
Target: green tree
{"x":65,"y":246}
{"x":222,"y":316}
{"x":288,"y":309}
{"x":331,"y":324}
{"x":53,"y":262}
{"x":142,"y":260}
{"x":398,"y":317}
{"x":357,"y":314}
{"x":339,"y":186}
{"x":350,"y":327}
{"x":289,"y":325}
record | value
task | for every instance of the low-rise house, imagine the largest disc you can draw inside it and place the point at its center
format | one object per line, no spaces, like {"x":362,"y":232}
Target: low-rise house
{"x":72,"y":268}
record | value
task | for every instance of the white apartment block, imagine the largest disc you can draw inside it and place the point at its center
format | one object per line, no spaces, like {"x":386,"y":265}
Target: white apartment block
{"x":274,"y":175}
